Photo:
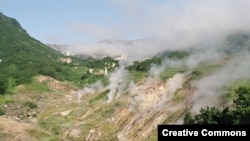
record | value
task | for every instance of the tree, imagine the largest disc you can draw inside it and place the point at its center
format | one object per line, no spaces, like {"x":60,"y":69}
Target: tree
{"x":188,"y":119}
{"x":242,"y":103}
{"x":207,"y":116}
{"x":243,"y":99}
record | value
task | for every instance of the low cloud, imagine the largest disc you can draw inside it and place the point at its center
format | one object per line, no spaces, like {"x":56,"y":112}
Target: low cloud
{"x":174,"y":25}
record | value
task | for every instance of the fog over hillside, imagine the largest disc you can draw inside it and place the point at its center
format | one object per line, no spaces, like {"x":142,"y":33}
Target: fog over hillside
{"x":197,"y":24}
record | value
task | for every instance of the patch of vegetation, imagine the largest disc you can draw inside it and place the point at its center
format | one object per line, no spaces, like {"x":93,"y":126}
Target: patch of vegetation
{"x":167,"y":74}
{"x":145,"y":65}
{"x":108,"y":112}
{"x":100,"y":96}
{"x":41,"y":135}
{"x":174,"y":116}
{"x":170,"y":72}
{"x":30,"y":105}
{"x":91,"y":78}
{"x":175,"y":54}
{"x":11,"y":89}
{"x":1,"y":112}
{"x":230,"y":91}
{"x":237,"y":42}
{"x":37,"y":86}
{"x":53,"y":123}
{"x":120,"y":104}
{"x":107,"y":62}
{"x":204,"y":69}
{"x":3,"y":87}
{"x":178,"y":96}
{"x":178,"y":55}
{"x":4,"y":99}
{"x":137,"y":76}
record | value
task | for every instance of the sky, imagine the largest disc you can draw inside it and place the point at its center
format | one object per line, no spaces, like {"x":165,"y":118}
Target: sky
{"x":89,"y":21}
{"x":76,"y":21}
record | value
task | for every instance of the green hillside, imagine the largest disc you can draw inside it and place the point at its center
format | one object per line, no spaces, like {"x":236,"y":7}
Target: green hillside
{"x":15,"y":41}
{"x":21,"y":55}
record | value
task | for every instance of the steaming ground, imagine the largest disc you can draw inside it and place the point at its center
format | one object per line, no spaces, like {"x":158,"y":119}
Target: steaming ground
{"x":207,"y":90}
{"x":97,"y":86}
{"x":154,"y":101}
{"x":218,"y":45}
{"x":132,"y":110}
{"x":117,"y":83}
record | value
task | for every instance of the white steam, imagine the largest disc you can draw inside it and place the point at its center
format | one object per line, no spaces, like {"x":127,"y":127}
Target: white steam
{"x":210,"y":87}
{"x":209,"y":55}
{"x":117,"y":82}
{"x":155,"y":70}
{"x":171,"y":25}
{"x":97,"y":86}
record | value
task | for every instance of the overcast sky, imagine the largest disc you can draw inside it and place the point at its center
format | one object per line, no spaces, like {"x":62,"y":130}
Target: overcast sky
{"x":80,"y":21}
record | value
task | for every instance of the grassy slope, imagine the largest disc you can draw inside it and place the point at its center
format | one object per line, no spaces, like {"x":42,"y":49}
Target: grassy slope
{"x":21,"y":55}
